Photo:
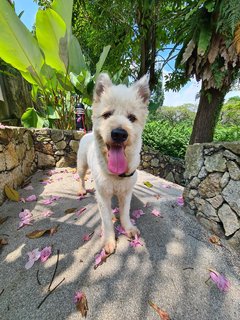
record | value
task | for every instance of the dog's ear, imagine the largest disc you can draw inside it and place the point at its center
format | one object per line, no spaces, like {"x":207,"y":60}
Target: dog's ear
{"x":103,"y":82}
{"x":142,"y":88}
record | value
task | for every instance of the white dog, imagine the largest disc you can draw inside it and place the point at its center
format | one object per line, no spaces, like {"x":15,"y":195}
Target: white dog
{"x":112,"y":151}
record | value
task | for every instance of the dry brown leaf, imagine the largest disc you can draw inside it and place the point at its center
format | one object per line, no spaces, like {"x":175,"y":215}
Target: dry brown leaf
{"x":11,"y":193}
{"x":82,"y":306}
{"x":188,"y":51}
{"x":237,"y":39}
{"x":70,"y":210}
{"x":163,"y":314}
{"x":215,"y":240}
{"x":39,"y":233}
{"x":2,"y":220}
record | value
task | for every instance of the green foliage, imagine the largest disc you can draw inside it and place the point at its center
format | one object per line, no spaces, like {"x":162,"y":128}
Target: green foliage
{"x":230,"y":113}
{"x":51,"y":62}
{"x":168,"y":139}
{"x":227,"y":133}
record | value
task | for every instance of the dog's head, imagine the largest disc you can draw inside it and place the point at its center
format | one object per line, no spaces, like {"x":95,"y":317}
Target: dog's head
{"x":119,"y":115}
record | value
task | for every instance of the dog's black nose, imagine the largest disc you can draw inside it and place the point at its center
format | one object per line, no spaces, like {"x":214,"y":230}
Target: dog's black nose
{"x":119,"y":135}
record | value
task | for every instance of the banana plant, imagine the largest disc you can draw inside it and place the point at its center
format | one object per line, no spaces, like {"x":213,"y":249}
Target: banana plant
{"x":52,"y":62}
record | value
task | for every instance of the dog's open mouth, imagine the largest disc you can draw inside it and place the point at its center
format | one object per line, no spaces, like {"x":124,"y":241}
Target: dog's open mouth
{"x":117,"y":162}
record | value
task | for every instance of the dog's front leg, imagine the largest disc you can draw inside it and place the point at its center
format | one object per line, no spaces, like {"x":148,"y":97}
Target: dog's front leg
{"x":104,"y":203}
{"x":124,"y":208}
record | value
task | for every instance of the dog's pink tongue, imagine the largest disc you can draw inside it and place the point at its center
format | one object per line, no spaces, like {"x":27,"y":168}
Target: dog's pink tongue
{"x":117,"y":162}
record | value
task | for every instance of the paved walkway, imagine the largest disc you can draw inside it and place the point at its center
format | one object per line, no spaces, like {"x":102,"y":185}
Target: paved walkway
{"x":170,"y":269}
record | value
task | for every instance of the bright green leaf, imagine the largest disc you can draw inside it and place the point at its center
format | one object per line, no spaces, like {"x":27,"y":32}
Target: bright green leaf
{"x":17,"y":45}
{"x":51,"y":33}
{"x":204,"y":40}
{"x":64,"y":9}
{"x":31,"y":119}
{"x":76,"y":58}
{"x":101,"y":61}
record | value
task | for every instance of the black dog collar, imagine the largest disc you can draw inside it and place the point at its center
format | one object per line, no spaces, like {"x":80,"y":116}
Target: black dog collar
{"x":124,"y":175}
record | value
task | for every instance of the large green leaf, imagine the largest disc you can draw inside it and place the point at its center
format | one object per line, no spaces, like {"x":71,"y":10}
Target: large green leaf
{"x":31,"y":119}
{"x":51,"y":33}
{"x":204,"y":40}
{"x":76,"y":58}
{"x":17,"y":45}
{"x":64,"y":9}
{"x":101,"y":61}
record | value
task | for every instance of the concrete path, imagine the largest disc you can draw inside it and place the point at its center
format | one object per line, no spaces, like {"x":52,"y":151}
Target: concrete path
{"x":170,"y":269}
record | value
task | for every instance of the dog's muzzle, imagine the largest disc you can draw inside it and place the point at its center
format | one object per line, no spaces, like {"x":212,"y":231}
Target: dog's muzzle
{"x":119,"y":135}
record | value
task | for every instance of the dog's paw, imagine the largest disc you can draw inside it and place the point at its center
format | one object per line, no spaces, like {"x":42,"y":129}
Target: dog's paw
{"x":110,"y":246}
{"x":131,"y":232}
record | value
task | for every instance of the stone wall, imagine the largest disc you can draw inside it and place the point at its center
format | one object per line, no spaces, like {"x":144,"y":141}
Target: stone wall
{"x":213,"y":186}
{"x":166,"y":167}
{"x":17,"y":157}
{"x":22,"y":151}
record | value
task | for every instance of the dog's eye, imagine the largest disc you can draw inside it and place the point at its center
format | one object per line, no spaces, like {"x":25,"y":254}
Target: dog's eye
{"x":106,"y":115}
{"x":132,"y":117}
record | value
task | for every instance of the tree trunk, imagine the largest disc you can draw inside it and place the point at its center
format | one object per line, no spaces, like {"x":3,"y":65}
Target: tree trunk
{"x":209,"y":107}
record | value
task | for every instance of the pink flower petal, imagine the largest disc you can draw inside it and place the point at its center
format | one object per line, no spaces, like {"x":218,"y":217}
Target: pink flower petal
{"x":28,"y":188}
{"x":2,"y":126}
{"x":31,"y":198}
{"x":76,"y":176}
{"x":133,"y":221}
{"x":45,"y":253}
{"x":120,"y":230}
{"x":137,"y":213}
{"x":115,"y":210}
{"x":222,"y":283}
{"x":180,"y":201}
{"x":77,"y":296}
{"x":135,"y":242}
{"x":87,"y":237}
{"x":167,"y":186}
{"x":99,"y":257}
{"x":51,"y":199}
{"x":47,"y":213}
{"x":156,"y":213}
{"x":33,"y":256}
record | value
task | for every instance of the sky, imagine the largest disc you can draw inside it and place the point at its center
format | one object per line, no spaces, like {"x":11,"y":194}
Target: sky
{"x":186,"y":95}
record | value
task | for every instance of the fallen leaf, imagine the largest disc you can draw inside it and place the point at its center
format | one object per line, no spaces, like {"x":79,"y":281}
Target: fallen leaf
{"x":148,"y":184}
{"x":11,"y":193}
{"x":81,"y":303}
{"x":3,"y":242}
{"x":39,"y":233}
{"x":2,"y":220}
{"x":215,"y":240}
{"x":70,"y":210}
{"x":163,"y":314}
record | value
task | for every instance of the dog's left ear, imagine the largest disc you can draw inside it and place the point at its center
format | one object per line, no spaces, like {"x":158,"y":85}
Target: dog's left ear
{"x":103,"y":82}
{"x":142,"y":87}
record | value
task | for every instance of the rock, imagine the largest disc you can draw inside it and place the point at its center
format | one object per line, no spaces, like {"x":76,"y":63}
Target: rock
{"x":147,"y":157}
{"x":233,"y":146}
{"x":231,"y":194}
{"x":57,"y":135}
{"x":193,"y":160}
{"x":229,"y":220}
{"x":59,"y":153}
{"x":234,"y":241}
{"x":145,"y":164}
{"x":192,"y":194}
{"x":11,"y":156}
{"x":224,"y":180}
{"x":21,"y":150}
{"x":202,"y":173}
{"x":207,"y":209}
{"x":216,"y":201}
{"x":61,"y":145}
{"x":210,"y":186}
{"x":45,"y":160}
{"x":209,"y":224}
{"x":77,"y":135}
{"x":233,"y":170}
{"x":215,"y":163}
{"x":1,"y":147}
{"x":74,"y":145}
{"x":28,"y":140}
{"x":4,"y":136}
{"x":194,"y":183}
{"x":170,"y":177}
{"x":67,"y":161}
{"x":231,"y":156}
{"x":46,"y":148}
{"x":2,"y":162}
{"x":155,"y":162}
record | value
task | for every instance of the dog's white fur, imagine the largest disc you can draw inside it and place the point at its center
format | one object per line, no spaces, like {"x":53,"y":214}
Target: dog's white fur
{"x":122,"y":102}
